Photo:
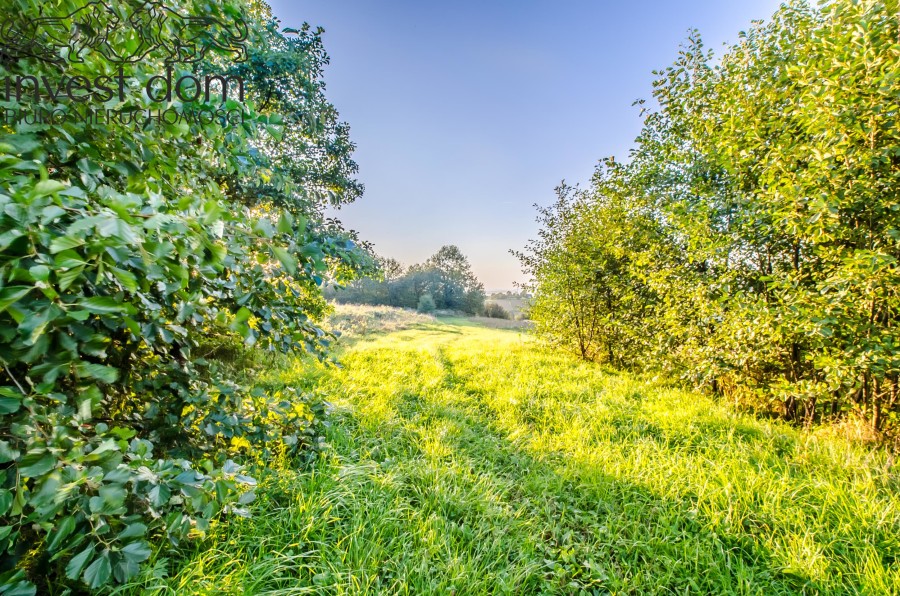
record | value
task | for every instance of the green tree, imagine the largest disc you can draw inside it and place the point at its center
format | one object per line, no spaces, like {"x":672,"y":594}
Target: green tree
{"x":587,"y":297}
{"x":122,"y":248}
{"x":750,"y":243}
{"x":446,"y":276}
{"x":426,"y":303}
{"x":455,"y":285}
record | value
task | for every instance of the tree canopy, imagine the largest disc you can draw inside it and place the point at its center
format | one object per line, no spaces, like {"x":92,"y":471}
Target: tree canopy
{"x":750,"y":243}
{"x":446,"y":277}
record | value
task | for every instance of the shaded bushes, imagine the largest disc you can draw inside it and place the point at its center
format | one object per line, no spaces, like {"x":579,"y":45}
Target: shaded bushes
{"x":426,"y":304}
{"x":495,"y":311}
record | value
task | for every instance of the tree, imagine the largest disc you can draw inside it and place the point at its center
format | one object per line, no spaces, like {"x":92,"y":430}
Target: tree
{"x":456,"y":286}
{"x":588,"y":299}
{"x":426,"y":304}
{"x":750,"y":243}
{"x":124,"y":247}
{"x":446,"y":277}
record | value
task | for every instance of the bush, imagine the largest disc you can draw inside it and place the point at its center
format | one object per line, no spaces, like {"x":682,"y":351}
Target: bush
{"x":426,"y":304}
{"x":495,"y":311}
{"x":121,"y":247}
{"x":751,"y":242}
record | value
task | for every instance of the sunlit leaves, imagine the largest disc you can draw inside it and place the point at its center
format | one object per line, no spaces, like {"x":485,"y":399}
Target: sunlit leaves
{"x":757,"y":253}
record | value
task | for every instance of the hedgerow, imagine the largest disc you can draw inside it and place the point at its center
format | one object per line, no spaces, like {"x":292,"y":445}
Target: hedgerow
{"x":121,"y":247}
{"x":751,"y":242}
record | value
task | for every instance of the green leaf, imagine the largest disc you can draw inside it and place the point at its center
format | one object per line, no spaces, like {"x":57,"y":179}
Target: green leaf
{"x":242,"y":315}
{"x":67,"y":278}
{"x":37,"y":464}
{"x":12,"y":294}
{"x":133,"y":531}
{"x":159,"y":495}
{"x":286,"y":223}
{"x":8,"y":237}
{"x":21,"y":588}
{"x":103,"y":305}
{"x":287,"y":259}
{"x":40,"y":272}
{"x":277,"y":132}
{"x":47,"y":187}
{"x":9,"y":405}
{"x":6,"y":499}
{"x":89,"y":166}
{"x":264,"y":227}
{"x":101,"y":372}
{"x":99,"y":572}
{"x":137,"y":551}
{"x":10,"y":400}
{"x":61,"y":243}
{"x":126,"y":278}
{"x":77,"y":563}
{"x":7,"y":453}
{"x":60,"y":533}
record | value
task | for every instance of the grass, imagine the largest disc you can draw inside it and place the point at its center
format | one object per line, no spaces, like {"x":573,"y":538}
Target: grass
{"x":354,"y":320}
{"x":467,"y":460}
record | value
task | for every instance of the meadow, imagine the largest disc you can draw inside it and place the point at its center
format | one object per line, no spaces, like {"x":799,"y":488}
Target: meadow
{"x":461,"y":459}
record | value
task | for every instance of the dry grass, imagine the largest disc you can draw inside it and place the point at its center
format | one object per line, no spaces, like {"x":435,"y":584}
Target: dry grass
{"x":500,"y":323}
{"x":514,"y":306}
{"x":360,"y":319}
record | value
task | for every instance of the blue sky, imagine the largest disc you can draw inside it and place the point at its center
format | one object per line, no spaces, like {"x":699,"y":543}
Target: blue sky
{"x":467,"y":113}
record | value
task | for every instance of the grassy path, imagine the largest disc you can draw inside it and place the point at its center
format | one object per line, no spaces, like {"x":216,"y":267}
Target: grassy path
{"x":466,"y":460}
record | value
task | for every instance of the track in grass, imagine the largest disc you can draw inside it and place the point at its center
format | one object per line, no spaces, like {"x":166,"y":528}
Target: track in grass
{"x":469,"y":460}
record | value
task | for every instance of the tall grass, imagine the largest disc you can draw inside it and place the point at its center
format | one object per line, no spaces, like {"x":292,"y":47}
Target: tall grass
{"x":360,"y":319}
{"x":466,"y":460}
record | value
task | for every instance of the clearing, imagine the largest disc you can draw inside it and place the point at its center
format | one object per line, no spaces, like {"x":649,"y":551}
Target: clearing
{"x":470,"y":460}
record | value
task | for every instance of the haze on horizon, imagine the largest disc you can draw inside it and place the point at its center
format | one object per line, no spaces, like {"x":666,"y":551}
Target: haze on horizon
{"x":466,"y":114}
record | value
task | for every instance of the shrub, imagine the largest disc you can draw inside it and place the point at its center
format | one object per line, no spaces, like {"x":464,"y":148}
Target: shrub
{"x":751,"y":242}
{"x":426,"y":304}
{"x":495,"y":311}
{"x":120,"y":248}
{"x":446,"y":276}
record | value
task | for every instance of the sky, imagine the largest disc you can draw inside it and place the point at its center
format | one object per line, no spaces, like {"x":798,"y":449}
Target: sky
{"x":467,"y":113}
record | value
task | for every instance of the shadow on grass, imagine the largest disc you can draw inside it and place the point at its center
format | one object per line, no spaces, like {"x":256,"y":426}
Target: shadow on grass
{"x":433,"y":496}
{"x":574,"y":527}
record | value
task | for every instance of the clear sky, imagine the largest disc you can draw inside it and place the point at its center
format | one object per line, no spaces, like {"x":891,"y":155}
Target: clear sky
{"x":466,"y":113}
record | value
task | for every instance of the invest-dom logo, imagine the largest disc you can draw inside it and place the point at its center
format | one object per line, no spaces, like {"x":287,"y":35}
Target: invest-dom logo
{"x":123,"y":34}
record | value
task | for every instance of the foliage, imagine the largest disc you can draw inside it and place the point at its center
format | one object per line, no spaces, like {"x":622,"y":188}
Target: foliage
{"x":585,"y":300}
{"x":121,"y":247}
{"x":495,"y":311}
{"x":426,"y":304}
{"x":473,"y":460}
{"x":751,"y":242}
{"x":446,"y":276}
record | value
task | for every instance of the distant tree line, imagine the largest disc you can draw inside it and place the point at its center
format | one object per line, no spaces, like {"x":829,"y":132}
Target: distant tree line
{"x":751,"y":242}
{"x":445,"y":281}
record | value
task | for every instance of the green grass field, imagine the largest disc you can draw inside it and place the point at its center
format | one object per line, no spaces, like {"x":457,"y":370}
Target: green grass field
{"x":467,"y":460}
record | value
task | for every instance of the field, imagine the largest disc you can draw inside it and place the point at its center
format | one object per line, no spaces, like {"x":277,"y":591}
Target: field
{"x":468,"y":460}
{"x":514,"y":305}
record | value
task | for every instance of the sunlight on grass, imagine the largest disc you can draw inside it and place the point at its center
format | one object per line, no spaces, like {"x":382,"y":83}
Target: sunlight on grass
{"x":469,"y":460}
